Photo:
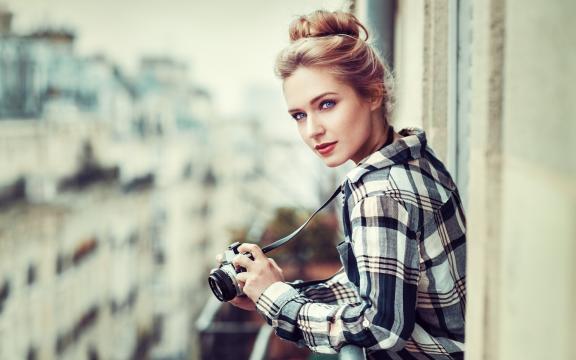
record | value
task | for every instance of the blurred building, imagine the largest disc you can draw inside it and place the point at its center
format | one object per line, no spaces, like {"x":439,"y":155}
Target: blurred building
{"x":41,"y":76}
{"x":116,"y":192}
{"x":102,"y":203}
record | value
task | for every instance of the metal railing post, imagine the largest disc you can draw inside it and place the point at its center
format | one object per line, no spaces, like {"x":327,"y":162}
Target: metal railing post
{"x":261,"y":343}
{"x":352,"y":352}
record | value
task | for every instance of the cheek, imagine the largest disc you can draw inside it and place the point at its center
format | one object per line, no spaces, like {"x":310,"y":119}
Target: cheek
{"x":358,"y":120}
{"x":347,"y":124}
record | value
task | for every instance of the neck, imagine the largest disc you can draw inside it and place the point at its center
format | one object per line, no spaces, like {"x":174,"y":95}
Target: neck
{"x":380,"y":132}
{"x":385,"y":137}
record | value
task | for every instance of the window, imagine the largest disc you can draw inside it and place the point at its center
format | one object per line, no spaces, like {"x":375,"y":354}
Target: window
{"x":460,"y":74}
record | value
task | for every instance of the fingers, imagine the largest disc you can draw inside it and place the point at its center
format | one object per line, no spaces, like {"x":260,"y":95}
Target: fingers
{"x":260,"y":273}
{"x":243,"y":261}
{"x":253,"y":249}
{"x":242,"y":277}
{"x":219,"y":258}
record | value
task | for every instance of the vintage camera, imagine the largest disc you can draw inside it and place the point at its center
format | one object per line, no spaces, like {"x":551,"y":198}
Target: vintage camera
{"x":223,"y":279}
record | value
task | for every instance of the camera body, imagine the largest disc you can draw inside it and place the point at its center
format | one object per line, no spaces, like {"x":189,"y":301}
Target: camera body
{"x":222,"y":280}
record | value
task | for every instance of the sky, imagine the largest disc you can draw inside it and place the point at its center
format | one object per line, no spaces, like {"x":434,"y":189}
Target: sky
{"x":230,"y":45}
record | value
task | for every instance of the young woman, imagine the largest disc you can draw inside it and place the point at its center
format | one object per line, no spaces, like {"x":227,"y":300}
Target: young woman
{"x":402,"y":291}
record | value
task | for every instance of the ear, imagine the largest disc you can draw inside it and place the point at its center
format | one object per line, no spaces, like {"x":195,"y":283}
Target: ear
{"x":376,"y":99}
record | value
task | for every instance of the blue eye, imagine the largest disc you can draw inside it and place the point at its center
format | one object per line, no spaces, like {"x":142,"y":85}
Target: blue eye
{"x":327,"y":104}
{"x":298,"y":116}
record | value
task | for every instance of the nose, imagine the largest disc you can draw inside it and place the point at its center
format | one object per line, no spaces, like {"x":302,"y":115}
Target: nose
{"x":314,"y":127}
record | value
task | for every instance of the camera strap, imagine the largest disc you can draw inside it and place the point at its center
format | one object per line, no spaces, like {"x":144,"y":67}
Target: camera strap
{"x":287,"y":238}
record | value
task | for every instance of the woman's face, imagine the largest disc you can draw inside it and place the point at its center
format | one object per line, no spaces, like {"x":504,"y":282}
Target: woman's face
{"x":333,"y":120}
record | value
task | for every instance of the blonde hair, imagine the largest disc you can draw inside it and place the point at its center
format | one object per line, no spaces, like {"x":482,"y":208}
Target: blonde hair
{"x":332,"y":40}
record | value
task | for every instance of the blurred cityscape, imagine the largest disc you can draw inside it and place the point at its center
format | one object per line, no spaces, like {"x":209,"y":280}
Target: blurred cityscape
{"x":117,"y":191}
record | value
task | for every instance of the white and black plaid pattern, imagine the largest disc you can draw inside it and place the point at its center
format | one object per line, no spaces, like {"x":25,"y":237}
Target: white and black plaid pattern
{"x":403,"y":292}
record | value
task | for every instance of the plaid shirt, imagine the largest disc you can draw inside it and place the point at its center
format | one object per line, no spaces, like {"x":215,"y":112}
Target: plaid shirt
{"x":402,"y":292}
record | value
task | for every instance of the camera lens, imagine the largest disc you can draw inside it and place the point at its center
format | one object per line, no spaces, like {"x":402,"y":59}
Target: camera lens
{"x":222,"y":285}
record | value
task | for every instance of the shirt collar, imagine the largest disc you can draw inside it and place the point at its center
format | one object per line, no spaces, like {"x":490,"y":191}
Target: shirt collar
{"x":409,"y":147}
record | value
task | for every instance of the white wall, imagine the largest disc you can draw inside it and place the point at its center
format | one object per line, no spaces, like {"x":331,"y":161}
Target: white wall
{"x":408,"y":63}
{"x":522,"y":176}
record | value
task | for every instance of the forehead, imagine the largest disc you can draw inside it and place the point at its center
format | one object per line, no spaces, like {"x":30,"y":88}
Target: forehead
{"x":306,"y":83}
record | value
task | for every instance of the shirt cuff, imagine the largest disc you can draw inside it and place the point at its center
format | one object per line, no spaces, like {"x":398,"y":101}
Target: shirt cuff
{"x":274,"y":298}
{"x":280,"y":304}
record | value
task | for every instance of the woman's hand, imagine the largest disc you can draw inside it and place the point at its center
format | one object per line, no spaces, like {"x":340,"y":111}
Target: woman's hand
{"x":242,"y":302}
{"x":260,"y":272}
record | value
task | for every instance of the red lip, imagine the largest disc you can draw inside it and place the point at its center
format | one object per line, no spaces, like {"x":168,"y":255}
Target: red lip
{"x":325,"y":148}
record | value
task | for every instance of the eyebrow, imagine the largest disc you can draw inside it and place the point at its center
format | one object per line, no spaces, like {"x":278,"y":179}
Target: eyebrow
{"x":315,"y":99}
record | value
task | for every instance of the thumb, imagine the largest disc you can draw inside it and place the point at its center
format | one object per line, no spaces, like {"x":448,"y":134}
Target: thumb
{"x":242,"y":277}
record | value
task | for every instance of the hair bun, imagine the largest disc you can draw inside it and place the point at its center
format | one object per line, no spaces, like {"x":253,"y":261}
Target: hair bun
{"x":322,"y":23}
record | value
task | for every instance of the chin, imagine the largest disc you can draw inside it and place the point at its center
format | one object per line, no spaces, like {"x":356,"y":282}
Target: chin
{"x":332,"y":163}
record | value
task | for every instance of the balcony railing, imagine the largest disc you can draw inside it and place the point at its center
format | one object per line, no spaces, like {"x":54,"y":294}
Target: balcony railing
{"x":205,"y":324}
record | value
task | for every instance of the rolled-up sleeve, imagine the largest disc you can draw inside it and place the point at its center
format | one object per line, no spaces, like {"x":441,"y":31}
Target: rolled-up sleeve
{"x":335,"y":290}
{"x":386,"y":253}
